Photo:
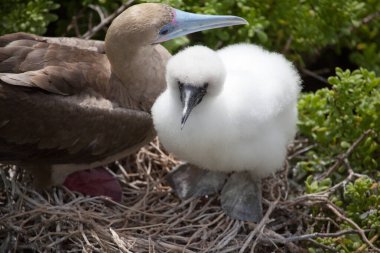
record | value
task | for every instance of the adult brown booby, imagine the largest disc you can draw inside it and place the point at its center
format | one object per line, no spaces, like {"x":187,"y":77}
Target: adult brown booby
{"x":68,"y":104}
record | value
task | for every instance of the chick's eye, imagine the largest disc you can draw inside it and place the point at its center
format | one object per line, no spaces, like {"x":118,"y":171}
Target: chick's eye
{"x":180,"y":86}
{"x":204,"y":88}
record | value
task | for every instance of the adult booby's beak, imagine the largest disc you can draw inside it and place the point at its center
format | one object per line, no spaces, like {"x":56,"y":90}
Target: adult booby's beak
{"x":190,"y":97}
{"x":185,"y":22}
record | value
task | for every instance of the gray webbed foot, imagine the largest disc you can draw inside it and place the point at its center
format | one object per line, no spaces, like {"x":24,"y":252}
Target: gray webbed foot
{"x":241,"y":197}
{"x":190,"y":181}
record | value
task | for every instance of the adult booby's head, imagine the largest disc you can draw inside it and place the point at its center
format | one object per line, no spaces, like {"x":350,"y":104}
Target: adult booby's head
{"x":195,"y":73}
{"x":131,"y":43}
{"x":152,"y":23}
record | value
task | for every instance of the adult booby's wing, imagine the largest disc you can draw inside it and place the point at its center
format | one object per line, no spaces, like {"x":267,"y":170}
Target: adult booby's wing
{"x":56,"y":107}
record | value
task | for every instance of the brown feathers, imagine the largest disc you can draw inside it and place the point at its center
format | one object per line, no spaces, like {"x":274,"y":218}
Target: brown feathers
{"x":65,"y":105}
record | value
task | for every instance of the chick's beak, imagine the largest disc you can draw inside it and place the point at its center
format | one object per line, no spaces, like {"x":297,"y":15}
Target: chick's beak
{"x":190,"y":97}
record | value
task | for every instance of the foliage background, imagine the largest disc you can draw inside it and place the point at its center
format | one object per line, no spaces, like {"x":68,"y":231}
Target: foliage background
{"x":335,"y":46}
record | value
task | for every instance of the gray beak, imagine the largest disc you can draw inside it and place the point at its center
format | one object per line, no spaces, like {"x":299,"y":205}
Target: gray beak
{"x":190,"y":97}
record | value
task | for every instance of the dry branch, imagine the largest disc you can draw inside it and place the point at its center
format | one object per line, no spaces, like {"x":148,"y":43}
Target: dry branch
{"x":105,"y":20}
{"x":340,"y":160}
{"x":152,"y":219}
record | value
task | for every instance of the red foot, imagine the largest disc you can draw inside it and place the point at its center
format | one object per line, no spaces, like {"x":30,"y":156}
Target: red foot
{"x":95,"y":182}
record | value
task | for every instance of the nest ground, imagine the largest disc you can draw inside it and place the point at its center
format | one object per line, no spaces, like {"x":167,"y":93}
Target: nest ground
{"x":152,"y":219}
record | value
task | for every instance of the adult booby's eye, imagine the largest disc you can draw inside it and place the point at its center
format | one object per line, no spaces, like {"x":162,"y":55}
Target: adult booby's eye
{"x":166,"y":29}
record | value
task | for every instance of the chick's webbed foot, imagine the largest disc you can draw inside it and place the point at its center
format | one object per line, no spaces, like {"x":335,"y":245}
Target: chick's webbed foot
{"x":187,"y":181}
{"x":241,"y":197}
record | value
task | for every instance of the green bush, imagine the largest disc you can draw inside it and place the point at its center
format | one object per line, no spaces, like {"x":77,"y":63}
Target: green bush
{"x":26,"y":15}
{"x":335,"y":118}
{"x":34,"y":16}
{"x":301,"y":29}
{"x":360,"y":202}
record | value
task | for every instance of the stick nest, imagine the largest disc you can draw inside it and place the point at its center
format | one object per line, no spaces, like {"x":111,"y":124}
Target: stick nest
{"x":151,"y":218}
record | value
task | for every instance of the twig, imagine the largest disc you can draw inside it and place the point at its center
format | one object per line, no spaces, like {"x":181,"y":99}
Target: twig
{"x":364,"y":246}
{"x":367,"y":19}
{"x":314,"y":75}
{"x":175,"y":248}
{"x":90,"y":33}
{"x":320,"y":235}
{"x":74,"y":23}
{"x":340,"y":160}
{"x":351,"y":175}
{"x":370,"y":17}
{"x":352,"y":223}
{"x":329,"y":249}
{"x":301,"y":151}
{"x":287,"y":45}
{"x":273,"y":237}
{"x":260,"y":226}
{"x":99,"y":10}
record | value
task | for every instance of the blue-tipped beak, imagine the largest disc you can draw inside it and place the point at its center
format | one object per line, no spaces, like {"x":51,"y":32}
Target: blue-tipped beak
{"x":184,"y":23}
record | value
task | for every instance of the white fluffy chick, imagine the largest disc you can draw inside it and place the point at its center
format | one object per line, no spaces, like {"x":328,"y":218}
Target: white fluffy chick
{"x":229,"y":110}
